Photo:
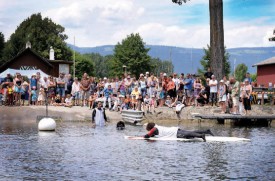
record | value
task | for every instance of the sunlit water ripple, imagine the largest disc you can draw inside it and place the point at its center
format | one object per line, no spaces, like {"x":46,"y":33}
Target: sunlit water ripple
{"x":76,"y":151}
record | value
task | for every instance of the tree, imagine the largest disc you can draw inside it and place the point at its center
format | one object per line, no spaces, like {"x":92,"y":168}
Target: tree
{"x":42,"y":34}
{"x":161,"y":66}
{"x":240,"y":72}
{"x":83,"y":64}
{"x":217,"y":62}
{"x":132,"y":53}
{"x":206,"y":63}
{"x":2,"y":45}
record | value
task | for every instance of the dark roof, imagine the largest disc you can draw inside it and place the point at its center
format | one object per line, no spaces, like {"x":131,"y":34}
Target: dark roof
{"x":266,"y":62}
{"x":23,"y":52}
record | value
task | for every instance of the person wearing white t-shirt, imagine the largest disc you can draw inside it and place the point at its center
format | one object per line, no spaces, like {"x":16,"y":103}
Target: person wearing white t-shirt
{"x":213,"y":83}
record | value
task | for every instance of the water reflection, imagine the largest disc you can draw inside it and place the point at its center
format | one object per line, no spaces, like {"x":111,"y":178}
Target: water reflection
{"x":76,"y":151}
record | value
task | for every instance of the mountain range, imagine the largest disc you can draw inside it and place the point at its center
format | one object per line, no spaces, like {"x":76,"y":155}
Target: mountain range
{"x":187,"y":60}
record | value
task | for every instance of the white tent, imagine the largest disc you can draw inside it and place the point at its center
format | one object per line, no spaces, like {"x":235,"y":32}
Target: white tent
{"x":27,"y":73}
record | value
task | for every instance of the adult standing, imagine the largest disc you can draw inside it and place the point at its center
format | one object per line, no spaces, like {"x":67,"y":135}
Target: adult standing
{"x":142,"y":85}
{"x":222,"y":96}
{"x":7,"y":81}
{"x":208,"y":74}
{"x":213,"y":83}
{"x":234,"y":89}
{"x":69,"y":84}
{"x":76,"y":91}
{"x":18,"y":81}
{"x":60,"y":84}
{"x":188,"y":89}
{"x":246,"y":97}
{"x":247,"y":77}
{"x":85,"y":86}
{"x":51,"y":90}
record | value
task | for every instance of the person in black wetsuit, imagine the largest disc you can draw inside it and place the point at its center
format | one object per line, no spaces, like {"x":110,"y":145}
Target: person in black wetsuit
{"x":174,"y":132}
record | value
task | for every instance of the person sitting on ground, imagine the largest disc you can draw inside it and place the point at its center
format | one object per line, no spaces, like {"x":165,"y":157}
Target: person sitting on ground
{"x":127,"y":102}
{"x":69,"y":101}
{"x":202,"y":99}
{"x":174,"y":132}
{"x":179,"y":99}
{"x":147,"y":101}
{"x":57,"y":101}
{"x":98,"y":116}
{"x":168,"y":101}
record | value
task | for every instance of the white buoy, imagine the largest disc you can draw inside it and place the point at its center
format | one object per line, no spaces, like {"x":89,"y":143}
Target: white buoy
{"x":47,"y":124}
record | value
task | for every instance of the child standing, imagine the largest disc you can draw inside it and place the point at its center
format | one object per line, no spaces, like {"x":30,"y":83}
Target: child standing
{"x":41,"y":97}
{"x":33,"y":95}
{"x":10,"y":95}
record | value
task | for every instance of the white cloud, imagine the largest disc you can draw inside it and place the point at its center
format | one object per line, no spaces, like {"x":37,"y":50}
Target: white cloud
{"x":104,"y":22}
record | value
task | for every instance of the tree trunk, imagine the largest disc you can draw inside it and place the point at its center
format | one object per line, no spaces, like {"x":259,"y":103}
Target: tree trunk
{"x":217,"y":61}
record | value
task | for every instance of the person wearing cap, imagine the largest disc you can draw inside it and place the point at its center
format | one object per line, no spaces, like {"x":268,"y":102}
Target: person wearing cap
{"x":222,"y":96}
{"x":213,"y":83}
{"x":174,"y":132}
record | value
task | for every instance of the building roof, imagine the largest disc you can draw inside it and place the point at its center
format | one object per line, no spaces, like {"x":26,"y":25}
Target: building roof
{"x":265,"y":62}
{"x":23,"y":52}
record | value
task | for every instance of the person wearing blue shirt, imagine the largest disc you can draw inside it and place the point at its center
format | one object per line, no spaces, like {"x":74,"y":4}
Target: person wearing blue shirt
{"x":247,"y":77}
{"x":188,"y":88}
{"x":108,"y":92}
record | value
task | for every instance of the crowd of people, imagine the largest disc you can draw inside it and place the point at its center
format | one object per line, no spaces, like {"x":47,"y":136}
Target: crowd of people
{"x":145,"y":92}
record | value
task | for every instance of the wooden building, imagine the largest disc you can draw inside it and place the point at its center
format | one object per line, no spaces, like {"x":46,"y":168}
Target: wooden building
{"x":30,"y":60}
{"x":266,"y":72}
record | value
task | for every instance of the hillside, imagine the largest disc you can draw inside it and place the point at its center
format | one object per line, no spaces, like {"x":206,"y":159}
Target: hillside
{"x":188,"y":59}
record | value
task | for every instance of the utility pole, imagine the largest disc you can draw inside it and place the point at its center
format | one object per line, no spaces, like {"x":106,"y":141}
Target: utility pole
{"x":74,"y":56}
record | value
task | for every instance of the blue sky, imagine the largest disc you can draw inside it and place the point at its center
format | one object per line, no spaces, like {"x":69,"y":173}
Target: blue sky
{"x":247,"y":23}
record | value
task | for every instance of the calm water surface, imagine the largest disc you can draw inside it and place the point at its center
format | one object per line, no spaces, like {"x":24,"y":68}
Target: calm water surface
{"x":76,"y":151}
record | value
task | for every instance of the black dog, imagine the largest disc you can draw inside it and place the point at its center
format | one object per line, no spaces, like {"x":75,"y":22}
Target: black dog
{"x":120,"y":125}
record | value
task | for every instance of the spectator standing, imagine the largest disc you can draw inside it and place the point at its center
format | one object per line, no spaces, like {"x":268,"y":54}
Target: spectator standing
{"x":222,"y":96}
{"x":17,"y":89}
{"x":76,"y":91}
{"x":60,"y":84}
{"x":247,"y":77}
{"x":108,"y":93}
{"x":69,"y":83}
{"x":8,"y":80}
{"x":188,"y":89}
{"x":84,"y":87}
{"x":143,"y":85}
{"x":234,"y":89}
{"x":246,"y":97}
{"x":213,"y":83}
{"x":51,"y":89}
{"x":208,"y":74}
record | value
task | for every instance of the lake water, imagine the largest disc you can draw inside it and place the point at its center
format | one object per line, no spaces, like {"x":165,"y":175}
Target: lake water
{"x":76,"y":151}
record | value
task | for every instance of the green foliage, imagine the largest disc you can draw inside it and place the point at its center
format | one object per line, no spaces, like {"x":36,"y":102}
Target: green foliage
{"x":2,"y":45}
{"x":161,"y":66}
{"x":253,"y":77}
{"x":42,"y":33}
{"x":240,"y":72}
{"x":205,"y":62}
{"x":132,"y":53}
{"x":83,"y":64}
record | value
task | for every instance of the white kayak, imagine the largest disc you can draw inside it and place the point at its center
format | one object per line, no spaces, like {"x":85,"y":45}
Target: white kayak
{"x":208,"y":139}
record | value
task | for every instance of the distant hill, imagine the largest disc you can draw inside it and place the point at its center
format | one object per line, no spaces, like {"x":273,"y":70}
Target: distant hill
{"x":187,"y":60}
